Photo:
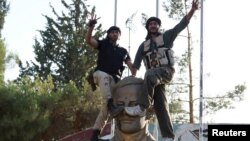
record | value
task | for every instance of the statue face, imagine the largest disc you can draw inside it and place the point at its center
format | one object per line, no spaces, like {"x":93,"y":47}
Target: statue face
{"x":126,"y":96}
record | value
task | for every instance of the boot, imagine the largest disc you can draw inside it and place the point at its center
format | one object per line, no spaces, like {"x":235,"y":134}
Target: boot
{"x":114,"y":110}
{"x":95,"y":135}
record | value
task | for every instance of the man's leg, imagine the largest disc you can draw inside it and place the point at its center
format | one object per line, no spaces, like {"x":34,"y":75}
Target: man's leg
{"x":152,"y":78}
{"x":103,"y":80}
{"x":100,"y":122}
{"x":162,"y":112}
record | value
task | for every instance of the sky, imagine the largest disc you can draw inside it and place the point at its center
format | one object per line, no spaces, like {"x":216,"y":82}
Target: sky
{"x":225,"y":40}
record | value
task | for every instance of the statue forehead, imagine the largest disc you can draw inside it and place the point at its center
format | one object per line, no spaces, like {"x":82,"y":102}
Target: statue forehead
{"x":128,"y":92}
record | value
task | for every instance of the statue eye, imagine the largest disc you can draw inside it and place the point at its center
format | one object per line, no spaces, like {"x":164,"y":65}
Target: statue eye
{"x":132,"y":103}
{"x":120,"y":103}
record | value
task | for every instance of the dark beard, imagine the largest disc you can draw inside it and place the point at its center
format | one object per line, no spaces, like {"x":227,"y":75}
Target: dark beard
{"x":155,"y":33}
{"x":152,"y":33}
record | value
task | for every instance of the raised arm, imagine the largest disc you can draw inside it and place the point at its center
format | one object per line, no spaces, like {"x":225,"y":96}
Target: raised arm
{"x":192,"y":10}
{"x":88,"y":37}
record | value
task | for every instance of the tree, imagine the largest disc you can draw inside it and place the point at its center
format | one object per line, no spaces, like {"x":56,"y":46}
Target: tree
{"x":62,"y":51}
{"x":4,"y":7}
{"x":184,"y":82}
{"x":2,"y":64}
{"x":30,"y":108}
{"x":24,"y":109}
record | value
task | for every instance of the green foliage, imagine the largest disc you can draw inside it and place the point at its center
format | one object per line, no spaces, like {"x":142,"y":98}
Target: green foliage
{"x":5,"y":57}
{"x":225,"y":101}
{"x":7,"y":60}
{"x":180,"y":87}
{"x":4,"y":8}
{"x":51,"y":97}
{"x":62,"y":51}
{"x":183,"y":80}
{"x":75,"y":110}
{"x":32,"y":110}
{"x":179,"y":115}
{"x":22,"y":113}
{"x":174,"y":8}
{"x":2,"y":61}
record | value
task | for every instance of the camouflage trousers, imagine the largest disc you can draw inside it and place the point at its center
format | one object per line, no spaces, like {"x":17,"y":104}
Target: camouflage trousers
{"x":105,"y":83}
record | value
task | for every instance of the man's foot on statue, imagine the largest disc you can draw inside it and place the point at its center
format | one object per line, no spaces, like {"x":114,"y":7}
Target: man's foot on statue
{"x":167,"y":139}
{"x":135,"y":111}
{"x":114,"y":110}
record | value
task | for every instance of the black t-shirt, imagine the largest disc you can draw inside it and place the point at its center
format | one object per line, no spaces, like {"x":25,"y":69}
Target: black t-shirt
{"x":110,"y":58}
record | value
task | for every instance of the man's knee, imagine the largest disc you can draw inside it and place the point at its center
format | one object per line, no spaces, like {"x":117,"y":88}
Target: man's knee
{"x":100,"y":74}
{"x":150,"y":77}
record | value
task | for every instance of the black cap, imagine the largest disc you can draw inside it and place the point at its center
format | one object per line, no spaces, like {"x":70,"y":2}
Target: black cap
{"x":153,"y":19}
{"x":114,"y":28}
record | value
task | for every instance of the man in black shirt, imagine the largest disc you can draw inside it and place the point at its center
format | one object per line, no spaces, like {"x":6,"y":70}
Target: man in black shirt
{"x":108,"y":71}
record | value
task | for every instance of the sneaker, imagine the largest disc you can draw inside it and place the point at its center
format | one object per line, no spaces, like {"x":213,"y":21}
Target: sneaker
{"x":135,"y":111}
{"x":167,"y":139}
